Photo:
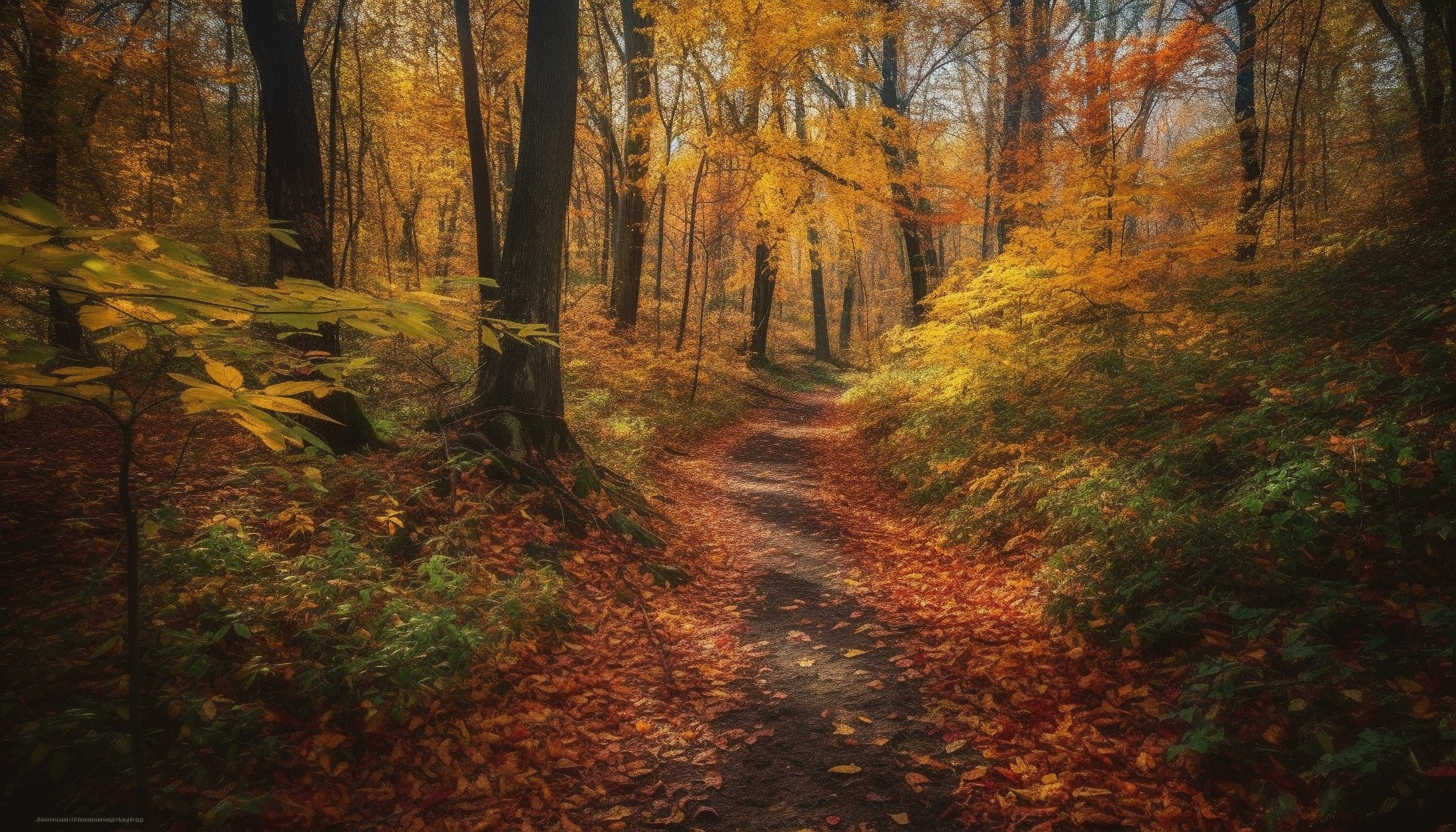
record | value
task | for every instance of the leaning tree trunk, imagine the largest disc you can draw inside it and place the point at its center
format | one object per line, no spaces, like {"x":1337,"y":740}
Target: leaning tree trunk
{"x":636,"y":153}
{"x":529,"y":381}
{"x":293,"y":187}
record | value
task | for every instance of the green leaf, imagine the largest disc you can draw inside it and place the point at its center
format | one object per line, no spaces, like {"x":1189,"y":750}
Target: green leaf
{"x":36,"y":211}
{"x":285,"y":237}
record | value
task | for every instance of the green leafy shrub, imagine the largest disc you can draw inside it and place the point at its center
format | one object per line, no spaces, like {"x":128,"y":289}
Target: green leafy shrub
{"x":1257,"y":484}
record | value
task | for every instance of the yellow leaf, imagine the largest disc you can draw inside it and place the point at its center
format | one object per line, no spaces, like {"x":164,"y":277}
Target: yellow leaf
{"x":283,"y":404}
{"x":209,"y":710}
{"x":975,"y":774}
{"x":806,"y":662}
{"x":76,"y":375}
{"x":616,"y":813}
{"x":901,"y":818}
{"x":953,"y":747}
{"x":843,"y":730}
{"x":849,"y":654}
{"x":224,"y":375}
{"x":915,"y":778}
{"x":851,"y":769}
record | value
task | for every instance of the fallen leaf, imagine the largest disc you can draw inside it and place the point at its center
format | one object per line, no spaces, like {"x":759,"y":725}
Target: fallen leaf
{"x":901,"y":818}
{"x":849,"y":769}
{"x":953,"y":747}
{"x":843,"y":730}
{"x":849,"y":654}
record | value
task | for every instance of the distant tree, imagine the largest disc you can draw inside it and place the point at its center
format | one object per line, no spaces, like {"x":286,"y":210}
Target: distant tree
{"x":631,"y":214}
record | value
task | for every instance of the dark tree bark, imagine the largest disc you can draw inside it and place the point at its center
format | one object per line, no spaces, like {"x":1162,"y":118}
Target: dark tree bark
{"x":480,"y":191}
{"x":636,"y":152}
{"x":529,"y":382}
{"x":816,"y":297}
{"x":1023,"y":112}
{"x":40,"y":76}
{"x":1251,"y":163}
{"x":1424,"y":84}
{"x":293,"y":179}
{"x":907,"y":213}
{"x":846,"y":316}
{"x":765,"y":278}
{"x":816,"y":268}
{"x":294,"y":190}
{"x":682,"y":323}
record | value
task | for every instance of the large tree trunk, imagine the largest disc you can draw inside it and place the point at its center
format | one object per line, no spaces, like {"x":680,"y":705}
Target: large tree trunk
{"x":637,"y":152}
{"x":1251,"y":163}
{"x":480,"y":188}
{"x":293,"y":179}
{"x":294,"y":189}
{"x":529,"y":381}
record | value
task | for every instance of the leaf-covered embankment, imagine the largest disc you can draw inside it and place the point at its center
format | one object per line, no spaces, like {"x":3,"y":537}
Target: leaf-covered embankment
{"x":1244,"y":480}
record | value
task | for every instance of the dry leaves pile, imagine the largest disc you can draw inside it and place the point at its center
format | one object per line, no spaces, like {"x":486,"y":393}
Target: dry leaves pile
{"x":1069,"y":731}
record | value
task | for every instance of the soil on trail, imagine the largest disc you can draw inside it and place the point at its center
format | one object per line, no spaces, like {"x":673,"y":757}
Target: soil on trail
{"x":832,"y":734}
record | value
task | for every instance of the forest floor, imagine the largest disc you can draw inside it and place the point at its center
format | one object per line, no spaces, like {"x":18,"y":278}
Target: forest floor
{"x":887,"y":683}
{"x":829,"y":667}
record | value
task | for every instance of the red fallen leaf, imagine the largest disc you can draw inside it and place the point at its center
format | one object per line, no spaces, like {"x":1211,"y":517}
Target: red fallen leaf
{"x":876,"y":797}
{"x":832,"y":820}
{"x":1441,"y":771}
{"x":713,"y":779}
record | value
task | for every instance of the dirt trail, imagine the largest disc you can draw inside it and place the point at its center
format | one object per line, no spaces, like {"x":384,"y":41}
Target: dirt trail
{"x":827,"y":691}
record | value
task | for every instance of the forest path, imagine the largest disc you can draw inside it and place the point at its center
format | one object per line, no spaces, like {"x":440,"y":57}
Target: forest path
{"x":827,"y":687}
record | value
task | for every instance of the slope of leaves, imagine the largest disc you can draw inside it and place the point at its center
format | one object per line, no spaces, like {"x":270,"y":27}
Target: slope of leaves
{"x":1246,"y":479}
{"x":398,"y":639}
{"x":1068,"y":730}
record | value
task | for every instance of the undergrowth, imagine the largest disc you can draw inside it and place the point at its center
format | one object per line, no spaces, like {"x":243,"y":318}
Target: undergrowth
{"x":1250,"y":478}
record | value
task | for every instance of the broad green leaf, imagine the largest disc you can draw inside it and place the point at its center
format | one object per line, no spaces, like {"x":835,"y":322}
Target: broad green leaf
{"x":23,"y":238}
{"x":285,"y":237}
{"x":36,"y":211}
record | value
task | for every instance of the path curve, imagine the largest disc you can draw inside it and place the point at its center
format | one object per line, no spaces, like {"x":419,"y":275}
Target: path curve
{"x":832,"y":735}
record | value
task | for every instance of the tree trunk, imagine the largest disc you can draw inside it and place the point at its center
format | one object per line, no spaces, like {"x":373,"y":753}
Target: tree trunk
{"x":39,"y":139}
{"x":816,"y":296}
{"x":294,"y":190}
{"x":529,"y":381}
{"x":765,"y":277}
{"x":480,"y":192}
{"x":682,"y":324}
{"x":636,"y":152}
{"x":846,"y":316}
{"x":1245,"y":119}
{"x":907,"y":213}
